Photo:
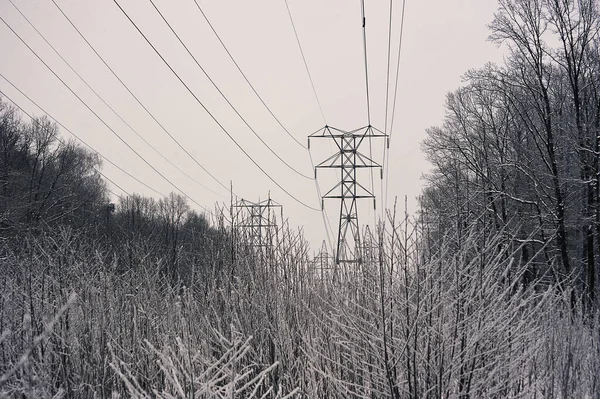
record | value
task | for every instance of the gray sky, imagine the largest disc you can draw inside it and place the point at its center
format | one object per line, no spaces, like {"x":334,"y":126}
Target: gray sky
{"x":442,"y":40}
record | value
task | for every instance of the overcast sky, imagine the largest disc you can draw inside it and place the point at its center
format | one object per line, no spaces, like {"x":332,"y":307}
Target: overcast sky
{"x":442,"y":40}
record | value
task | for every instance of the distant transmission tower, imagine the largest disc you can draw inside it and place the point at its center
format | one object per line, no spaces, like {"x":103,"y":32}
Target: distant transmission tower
{"x":348,"y":159}
{"x":259,"y":221}
{"x":322,"y":264}
{"x":370,"y":247}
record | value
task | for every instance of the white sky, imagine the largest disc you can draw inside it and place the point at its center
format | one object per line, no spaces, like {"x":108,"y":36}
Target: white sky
{"x":442,"y":40}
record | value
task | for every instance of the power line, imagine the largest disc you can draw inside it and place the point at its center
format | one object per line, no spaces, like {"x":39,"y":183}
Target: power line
{"x":323,"y":211}
{"x":136,"y":98}
{"x":113,"y":193}
{"x":114,"y":184}
{"x":99,"y":118}
{"x":312,"y":84}
{"x":387,"y":161}
{"x":73,"y":134}
{"x":397,"y":68}
{"x":246,"y":78}
{"x":109,"y":107}
{"x":364,"y":35}
{"x":33,"y":119}
{"x":387,"y":79}
{"x":86,"y":144}
{"x":89,"y":146}
{"x":208,"y":112}
{"x":387,"y":98}
{"x":225,"y":97}
{"x":327,"y":226}
{"x":305,"y":63}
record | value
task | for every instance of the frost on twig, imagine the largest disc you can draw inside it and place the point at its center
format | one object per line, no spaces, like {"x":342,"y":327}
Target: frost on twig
{"x":225,"y":372}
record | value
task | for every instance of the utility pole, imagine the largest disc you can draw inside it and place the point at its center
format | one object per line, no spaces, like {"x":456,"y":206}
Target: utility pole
{"x":259,"y":221}
{"x":348,"y":190}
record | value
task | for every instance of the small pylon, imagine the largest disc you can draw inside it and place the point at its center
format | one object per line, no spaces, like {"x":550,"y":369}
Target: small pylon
{"x":322,"y":264}
{"x":370,"y":247}
{"x":259,"y":221}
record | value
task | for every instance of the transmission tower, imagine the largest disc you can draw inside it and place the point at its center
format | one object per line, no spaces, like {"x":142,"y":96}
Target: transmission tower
{"x":370,"y":247}
{"x":259,"y":221}
{"x":322,"y":263}
{"x":348,"y":190}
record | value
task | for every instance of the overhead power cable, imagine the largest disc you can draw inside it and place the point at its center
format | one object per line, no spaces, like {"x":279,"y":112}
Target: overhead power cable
{"x":114,"y":184}
{"x":209,"y":113}
{"x":89,"y":146}
{"x":323,"y":211}
{"x":62,"y":142}
{"x":138,"y":100}
{"x":312,"y":84}
{"x":328,"y":229}
{"x":387,"y":98}
{"x":99,"y":118}
{"x":246,"y":78}
{"x":364,"y":35}
{"x":225,"y":97}
{"x":305,"y":63}
{"x":397,"y":69}
{"x":387,"y":161}
{"x":387,"y":75}
{"x":73,"y":134}
{"x":109,"y":107}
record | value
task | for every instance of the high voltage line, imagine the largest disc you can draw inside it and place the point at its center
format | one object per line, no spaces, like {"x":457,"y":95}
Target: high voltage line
{"x":73,"y":134}
{"x":387,"y":160}
{"x":209,"y":113}
{"x":137,"y":99}
{"x":99,"y":118}
{"x":246,"y":78}
{"x":364,"y":37}
{"x":33,"y":119}
{"x":109,"y":107}
{"x":89,"y":146}
{"x":328,"y":228}
{"x":387,"y":76}
{"x":263,"y":170}
{"x":398,"y":67}
{"x":387,"y":98}
{"x":223,"y":95}
{"x":304,"y":59}
{"x":323,"y":212}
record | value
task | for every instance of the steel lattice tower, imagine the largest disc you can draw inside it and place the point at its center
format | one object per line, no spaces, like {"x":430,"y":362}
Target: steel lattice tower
{"x":370,"y":247}
{"x":348,"y":159}
{"x":259,"y":221}
{"x":322,"y":263}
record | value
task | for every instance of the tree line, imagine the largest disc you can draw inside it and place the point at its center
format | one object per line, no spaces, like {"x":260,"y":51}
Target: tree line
{"x":520,"y":143}
{"x":49,"y":182}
